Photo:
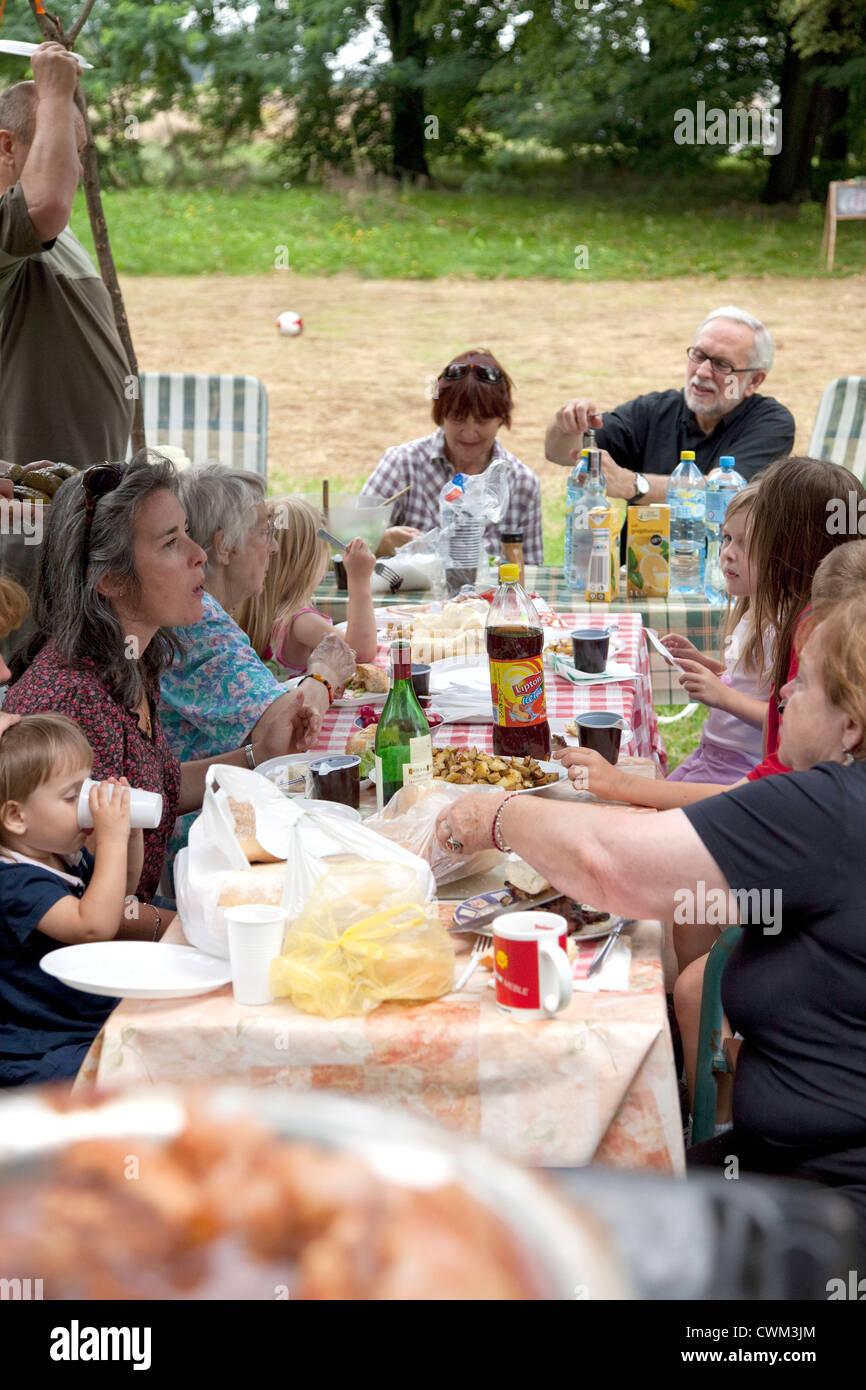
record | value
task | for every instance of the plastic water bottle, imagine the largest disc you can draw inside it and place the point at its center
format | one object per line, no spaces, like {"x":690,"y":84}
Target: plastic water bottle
{"x":594,"y":494}
{"x":722,"y":483}
{"x":461,"y":520}
{"x":573,"y":495}
{"x":686,"y":497}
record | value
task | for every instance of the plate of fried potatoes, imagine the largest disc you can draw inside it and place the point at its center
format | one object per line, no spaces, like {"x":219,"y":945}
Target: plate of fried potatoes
{"x":474,"y":767}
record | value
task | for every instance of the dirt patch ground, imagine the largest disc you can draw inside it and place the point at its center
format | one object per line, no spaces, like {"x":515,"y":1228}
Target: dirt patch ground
{"x":354,"y":382}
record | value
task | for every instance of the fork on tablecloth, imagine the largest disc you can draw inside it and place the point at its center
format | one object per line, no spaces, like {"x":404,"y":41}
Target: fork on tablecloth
{"x":482,"y":945}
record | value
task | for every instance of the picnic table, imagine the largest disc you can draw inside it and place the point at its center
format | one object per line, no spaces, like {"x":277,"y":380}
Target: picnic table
{"x":595,"y":1084}
{"x":700,"y":622}
{"x":632,"y":699}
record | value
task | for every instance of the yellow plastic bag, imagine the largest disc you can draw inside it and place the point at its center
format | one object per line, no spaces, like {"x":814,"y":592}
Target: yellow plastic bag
{"x":364,"y":936}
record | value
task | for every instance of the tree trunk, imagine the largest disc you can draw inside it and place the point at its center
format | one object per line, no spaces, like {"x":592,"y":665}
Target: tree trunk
{"x":409,"y":51}
{"x":789,"y":176}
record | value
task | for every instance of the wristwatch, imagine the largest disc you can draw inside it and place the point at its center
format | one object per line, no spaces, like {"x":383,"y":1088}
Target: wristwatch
{"x":642,"y":488}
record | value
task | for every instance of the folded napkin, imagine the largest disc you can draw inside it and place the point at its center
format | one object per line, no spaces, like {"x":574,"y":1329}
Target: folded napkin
{"x":613,"y":975}
{"x":616,"y":671}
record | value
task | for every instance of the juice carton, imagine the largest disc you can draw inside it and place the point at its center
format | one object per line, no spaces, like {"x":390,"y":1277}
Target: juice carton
{"x":649,"y":532}
{"x":603,"y":570}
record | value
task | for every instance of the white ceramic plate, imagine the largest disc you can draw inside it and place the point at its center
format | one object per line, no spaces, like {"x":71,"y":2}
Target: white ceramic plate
{"x":21,"y":49}
{"x":137,"y":969}
{"x":461,"y":675}
{"x":351,"y":700}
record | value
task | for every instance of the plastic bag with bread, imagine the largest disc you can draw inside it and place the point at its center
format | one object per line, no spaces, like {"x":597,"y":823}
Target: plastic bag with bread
{"x":366,"y":935}
{"x":252,"y":844}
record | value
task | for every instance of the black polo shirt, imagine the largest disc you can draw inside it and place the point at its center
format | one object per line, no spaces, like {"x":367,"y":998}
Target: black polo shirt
{"x":648,"y":434}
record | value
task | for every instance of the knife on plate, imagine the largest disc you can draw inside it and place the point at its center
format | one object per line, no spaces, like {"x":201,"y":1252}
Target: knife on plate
{"x":524,"y":905}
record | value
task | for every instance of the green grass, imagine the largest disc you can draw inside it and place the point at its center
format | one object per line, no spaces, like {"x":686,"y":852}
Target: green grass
{"x":682,"y":738}
{"x":631,"y":230}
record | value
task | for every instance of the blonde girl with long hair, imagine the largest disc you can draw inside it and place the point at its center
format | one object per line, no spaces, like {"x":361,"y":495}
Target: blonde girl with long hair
{"x":282,"y":623}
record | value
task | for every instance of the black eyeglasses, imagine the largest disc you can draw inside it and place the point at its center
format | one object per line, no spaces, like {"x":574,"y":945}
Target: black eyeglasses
{"x":97,"y":482}
{"x":456,"y":371}
{"x":717,"y":364}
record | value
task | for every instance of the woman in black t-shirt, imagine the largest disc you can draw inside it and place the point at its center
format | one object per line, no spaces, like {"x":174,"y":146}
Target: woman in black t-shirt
{"x":784,"y":856}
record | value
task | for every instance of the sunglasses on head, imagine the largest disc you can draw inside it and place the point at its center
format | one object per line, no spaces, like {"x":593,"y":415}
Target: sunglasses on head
{"x":97,"y":482}
{"x":456,"y":371}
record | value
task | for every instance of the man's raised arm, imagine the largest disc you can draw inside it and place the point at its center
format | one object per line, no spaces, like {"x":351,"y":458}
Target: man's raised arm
{"x":52,"y":167}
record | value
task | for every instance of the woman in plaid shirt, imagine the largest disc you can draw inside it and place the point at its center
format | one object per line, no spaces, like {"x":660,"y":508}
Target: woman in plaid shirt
{"x":472,"y":400}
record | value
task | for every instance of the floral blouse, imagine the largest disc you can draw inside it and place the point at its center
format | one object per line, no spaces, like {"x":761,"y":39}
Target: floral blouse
{"x":120,"y":747}
{"x":215,"y":694}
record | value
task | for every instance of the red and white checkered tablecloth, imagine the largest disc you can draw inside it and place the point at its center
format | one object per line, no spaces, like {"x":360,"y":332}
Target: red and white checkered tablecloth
{"x":632,"y":699}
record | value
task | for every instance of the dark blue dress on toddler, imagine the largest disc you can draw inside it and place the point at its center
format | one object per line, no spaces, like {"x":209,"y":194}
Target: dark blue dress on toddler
{"x":46,"y":1028}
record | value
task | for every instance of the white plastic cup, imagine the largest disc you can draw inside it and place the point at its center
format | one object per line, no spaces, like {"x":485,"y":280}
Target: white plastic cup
{"x":145,"y":808}
{"x":255,"y":936}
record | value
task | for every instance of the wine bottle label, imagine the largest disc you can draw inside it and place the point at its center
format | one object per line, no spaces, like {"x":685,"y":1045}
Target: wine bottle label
{"x":378,"y":783}
{"x":519,"y":687}
{"x":420,"y":765}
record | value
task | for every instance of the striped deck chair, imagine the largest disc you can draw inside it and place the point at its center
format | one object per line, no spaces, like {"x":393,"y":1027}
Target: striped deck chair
{"x":840,"y":428}
{"x":210,"y":417}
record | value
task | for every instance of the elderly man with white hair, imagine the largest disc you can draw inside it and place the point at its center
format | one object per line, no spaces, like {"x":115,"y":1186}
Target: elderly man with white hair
{"x":718,"y":411}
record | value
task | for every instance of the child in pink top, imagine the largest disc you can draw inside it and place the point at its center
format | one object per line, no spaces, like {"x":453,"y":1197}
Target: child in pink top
{"x":282,"y":623}
{"x":735,"y":690}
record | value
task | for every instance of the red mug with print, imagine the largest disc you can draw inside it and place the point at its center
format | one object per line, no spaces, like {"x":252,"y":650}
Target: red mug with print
{"x":530,"y":963}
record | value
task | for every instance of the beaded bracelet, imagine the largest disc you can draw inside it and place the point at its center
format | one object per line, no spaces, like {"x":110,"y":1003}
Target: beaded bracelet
{"x":314,"y":676}
{"x":498,"y":842}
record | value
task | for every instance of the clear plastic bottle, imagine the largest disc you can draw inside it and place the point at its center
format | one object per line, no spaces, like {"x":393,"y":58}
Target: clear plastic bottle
{"x":573,"y":497}
{"x":594,"y":494}
{"x":722,"y":483}
{"x":461,"y":521}
{"x":515,"y":642}
{"x":686,"y":497}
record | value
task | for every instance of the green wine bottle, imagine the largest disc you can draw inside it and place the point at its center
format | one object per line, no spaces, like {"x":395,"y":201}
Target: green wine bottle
{"x":404,"y":749}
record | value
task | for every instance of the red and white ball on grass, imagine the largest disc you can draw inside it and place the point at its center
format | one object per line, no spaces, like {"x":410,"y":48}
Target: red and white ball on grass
{"x":290,"y":325}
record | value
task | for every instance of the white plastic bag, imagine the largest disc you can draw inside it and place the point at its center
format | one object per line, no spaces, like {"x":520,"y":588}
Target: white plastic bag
{"x":409,"y":820}
{"x":290,"y":829}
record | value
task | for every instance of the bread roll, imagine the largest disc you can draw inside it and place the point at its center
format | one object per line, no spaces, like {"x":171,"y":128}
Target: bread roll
{"x":360,"y":740}
{"x":261,"y":883}
{"x":244,"y":816}
{"x":374,"y":678}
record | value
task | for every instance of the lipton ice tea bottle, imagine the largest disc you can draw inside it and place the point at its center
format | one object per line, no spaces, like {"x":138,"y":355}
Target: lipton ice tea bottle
{"x":515,"y":640}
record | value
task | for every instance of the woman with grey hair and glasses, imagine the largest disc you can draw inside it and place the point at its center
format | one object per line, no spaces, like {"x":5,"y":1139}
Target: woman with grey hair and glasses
{"x":218,"y":692}
{"x":119,"y":572}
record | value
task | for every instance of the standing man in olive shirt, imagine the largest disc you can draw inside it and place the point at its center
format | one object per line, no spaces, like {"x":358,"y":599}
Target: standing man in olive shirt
{"x":64,"y":377}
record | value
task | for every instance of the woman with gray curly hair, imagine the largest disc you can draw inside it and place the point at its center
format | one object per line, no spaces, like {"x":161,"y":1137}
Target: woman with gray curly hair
{"x":218,"y":692}
{"x":119,"y":572}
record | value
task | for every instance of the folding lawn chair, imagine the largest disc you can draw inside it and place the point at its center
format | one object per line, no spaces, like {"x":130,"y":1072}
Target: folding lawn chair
{"x":840,"y":428}
{"x":210,"y":417}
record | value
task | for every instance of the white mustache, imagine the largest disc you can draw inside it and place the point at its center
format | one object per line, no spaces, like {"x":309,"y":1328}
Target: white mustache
{"x":697,"y":381}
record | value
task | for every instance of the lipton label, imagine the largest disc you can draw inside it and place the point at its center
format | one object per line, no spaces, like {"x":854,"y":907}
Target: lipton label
{"x":517,"y":688}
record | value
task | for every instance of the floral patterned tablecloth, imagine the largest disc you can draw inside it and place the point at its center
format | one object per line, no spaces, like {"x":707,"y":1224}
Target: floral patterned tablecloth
{"x":595,"y":1084}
